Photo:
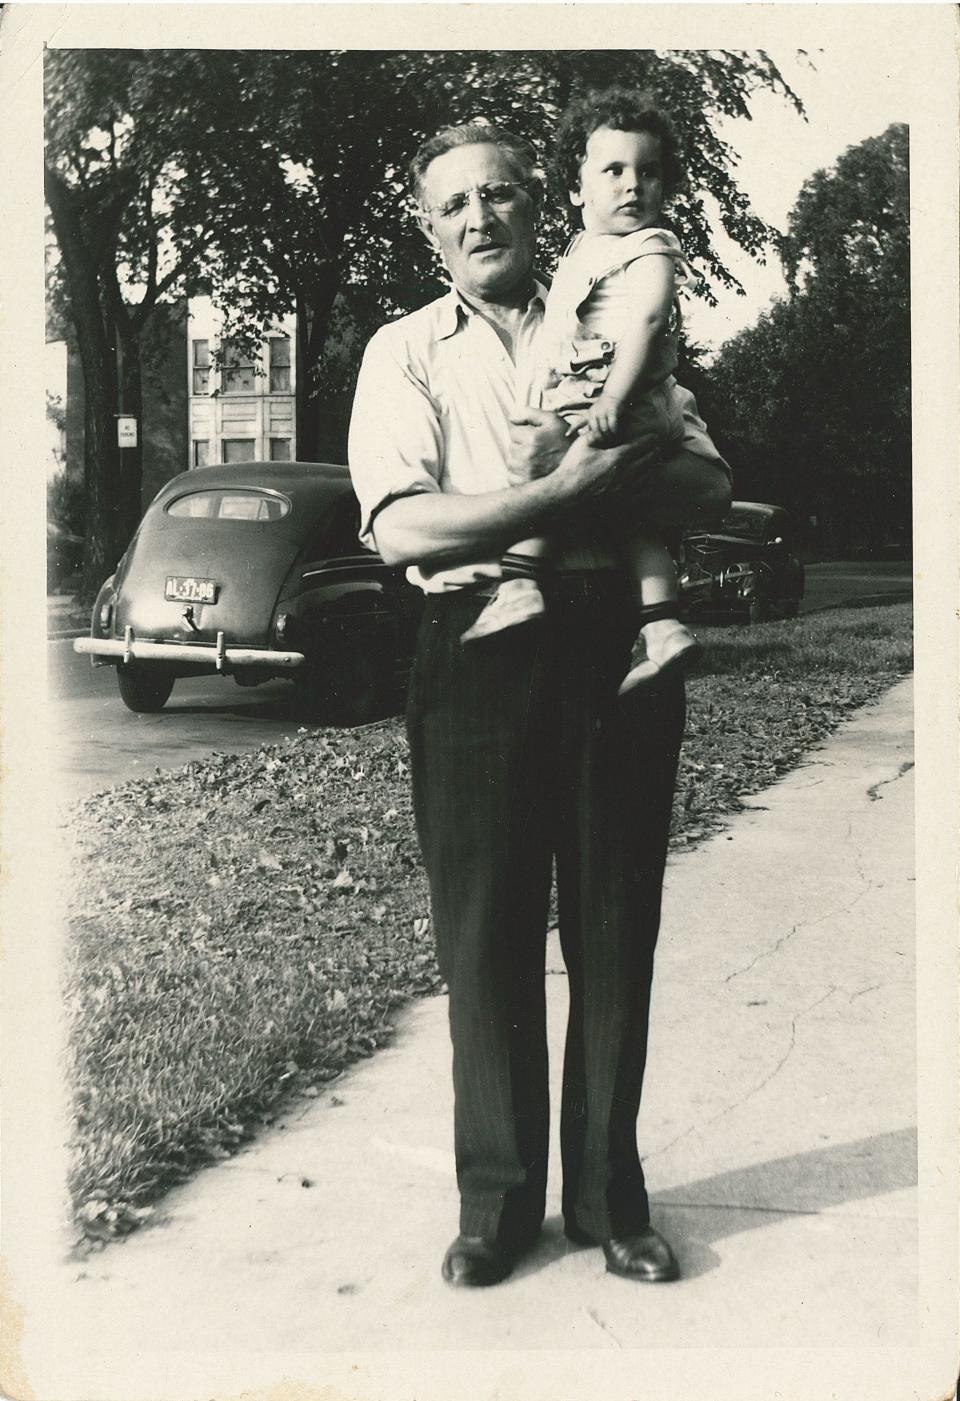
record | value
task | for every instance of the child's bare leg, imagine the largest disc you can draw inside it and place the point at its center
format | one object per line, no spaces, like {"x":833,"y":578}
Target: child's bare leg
{"x":518,"y":598}
{"x":651,"y":568}
{"x":667,"y":641}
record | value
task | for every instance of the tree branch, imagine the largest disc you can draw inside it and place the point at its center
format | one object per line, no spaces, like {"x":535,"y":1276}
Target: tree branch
{"x":150,"y":298}
{"x":81,"y":169}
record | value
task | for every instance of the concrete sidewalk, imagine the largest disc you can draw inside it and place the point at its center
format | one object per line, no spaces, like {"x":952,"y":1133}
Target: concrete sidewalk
{"x":777,"y":1133}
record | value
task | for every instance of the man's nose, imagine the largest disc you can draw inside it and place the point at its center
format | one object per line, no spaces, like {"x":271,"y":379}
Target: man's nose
{"x":479,"y":213}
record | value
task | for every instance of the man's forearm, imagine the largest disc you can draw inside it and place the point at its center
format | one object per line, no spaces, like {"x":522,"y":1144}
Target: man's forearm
{"x":440,"y":528}
{"x":436,"y":528}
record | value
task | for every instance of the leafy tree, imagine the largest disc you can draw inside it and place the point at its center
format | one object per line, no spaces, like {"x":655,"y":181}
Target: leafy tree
{"x":814,"y":401}
{"x":275,"y":180}
{"x":65,"y":502}
{"x":109,"y":167}
{"x":329,"y":199}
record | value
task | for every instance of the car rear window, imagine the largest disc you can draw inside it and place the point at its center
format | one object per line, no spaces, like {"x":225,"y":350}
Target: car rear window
{"x":749,"y":525}
{"x":230,"y":504}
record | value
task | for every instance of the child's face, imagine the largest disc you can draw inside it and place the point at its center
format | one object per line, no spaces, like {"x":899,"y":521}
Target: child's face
{"x":621,"y":181}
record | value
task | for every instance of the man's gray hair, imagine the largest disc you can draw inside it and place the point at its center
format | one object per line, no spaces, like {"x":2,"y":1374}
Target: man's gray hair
{"x":519,"y":152}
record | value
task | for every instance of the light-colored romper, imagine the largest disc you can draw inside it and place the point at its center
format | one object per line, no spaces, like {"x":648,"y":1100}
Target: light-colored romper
{"x":588,"y":311}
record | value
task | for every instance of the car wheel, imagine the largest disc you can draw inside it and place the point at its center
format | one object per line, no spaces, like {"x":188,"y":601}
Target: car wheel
{"x":791,"y":607}
{"x":358,"y":693}
{"x":348,"y":690}
{"x":758,"y":610}
{"x":144,"y":690}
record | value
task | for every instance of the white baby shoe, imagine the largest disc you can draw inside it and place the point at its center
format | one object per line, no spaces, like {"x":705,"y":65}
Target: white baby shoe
{"x":668,"y":645}
{"x":515,"y":601}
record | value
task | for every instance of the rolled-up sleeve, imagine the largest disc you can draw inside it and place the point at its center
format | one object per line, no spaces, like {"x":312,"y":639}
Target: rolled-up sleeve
{"x":395,"y":445}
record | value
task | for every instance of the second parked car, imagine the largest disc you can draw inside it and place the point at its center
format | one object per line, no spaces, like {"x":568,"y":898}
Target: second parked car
{"x":746,"y":568}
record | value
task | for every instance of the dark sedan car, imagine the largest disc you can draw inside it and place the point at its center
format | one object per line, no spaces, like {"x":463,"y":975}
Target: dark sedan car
{"x":746,"y":568}
{"x":254,"y":571}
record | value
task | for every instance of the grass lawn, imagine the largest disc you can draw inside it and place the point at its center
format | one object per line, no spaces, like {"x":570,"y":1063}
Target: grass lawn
{"x":245,"y":927}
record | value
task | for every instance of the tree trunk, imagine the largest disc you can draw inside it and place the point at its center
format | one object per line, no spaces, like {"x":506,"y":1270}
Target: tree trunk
{"x":105,"y":540}
{"x":308,"y":404}
{"x":313,"y":321}
{"x":106,"y":522}
{"x":130,"y":478}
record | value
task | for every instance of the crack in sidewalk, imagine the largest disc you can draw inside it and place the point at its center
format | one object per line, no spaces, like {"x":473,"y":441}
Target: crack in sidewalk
{"x":805,"y":924}
{"x":873,"y":792}
{"x":775,"y":948}
{"x":755,"y":1090}
{"x":605,"y":1327}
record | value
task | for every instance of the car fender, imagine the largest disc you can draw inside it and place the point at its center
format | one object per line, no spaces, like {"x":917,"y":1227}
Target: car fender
{"x":107,"y":593}
{"x":328,"y":612}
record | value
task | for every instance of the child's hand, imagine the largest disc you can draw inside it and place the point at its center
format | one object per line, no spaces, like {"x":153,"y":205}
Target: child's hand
{"x":602,"y":425}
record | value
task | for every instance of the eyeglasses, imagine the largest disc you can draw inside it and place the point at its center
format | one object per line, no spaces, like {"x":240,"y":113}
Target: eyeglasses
{"x":499,"y":194}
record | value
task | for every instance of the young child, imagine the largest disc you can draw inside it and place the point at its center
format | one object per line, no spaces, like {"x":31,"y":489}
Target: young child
{"x":608,"y":346}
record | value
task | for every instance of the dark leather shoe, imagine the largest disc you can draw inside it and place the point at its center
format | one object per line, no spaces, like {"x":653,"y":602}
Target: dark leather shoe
{"x":475,"y":1263}
{"x":644,"y":1255}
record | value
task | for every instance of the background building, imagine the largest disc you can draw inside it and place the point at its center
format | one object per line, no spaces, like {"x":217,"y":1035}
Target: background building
{"x":241,"y":405}
{"x":204,"y":400}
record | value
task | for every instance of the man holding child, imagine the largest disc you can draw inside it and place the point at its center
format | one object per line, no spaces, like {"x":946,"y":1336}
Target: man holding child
{"x":522,"y":752}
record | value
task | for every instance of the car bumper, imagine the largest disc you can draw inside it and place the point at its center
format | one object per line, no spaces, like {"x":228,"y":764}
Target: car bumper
{"x":219,"y":657}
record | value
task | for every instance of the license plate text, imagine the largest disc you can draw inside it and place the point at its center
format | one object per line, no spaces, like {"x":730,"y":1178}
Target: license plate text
{"x":189,"y":590}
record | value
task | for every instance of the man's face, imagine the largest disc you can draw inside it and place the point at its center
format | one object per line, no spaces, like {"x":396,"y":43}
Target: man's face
{"x":487,"y":247}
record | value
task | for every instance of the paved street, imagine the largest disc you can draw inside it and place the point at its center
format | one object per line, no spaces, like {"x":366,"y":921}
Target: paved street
{"x":829,"y":585}
{"x":778,"y":1132}
{"x":97,"y":743}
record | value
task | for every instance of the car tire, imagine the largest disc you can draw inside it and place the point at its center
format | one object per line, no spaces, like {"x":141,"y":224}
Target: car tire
{"x":351,"y":689}
{"x":758,"y":609}
{"x":144,"y":690}
{"x":358,"y":695}
{"x":791,"y":607}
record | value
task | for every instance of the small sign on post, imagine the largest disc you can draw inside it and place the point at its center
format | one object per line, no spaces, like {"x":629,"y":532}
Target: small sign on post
{"x":126,"y":431}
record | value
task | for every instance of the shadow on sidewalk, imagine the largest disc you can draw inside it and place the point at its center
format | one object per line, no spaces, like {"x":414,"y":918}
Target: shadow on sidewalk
{"x":767,"y":1193}
{"x":696,"y":1215}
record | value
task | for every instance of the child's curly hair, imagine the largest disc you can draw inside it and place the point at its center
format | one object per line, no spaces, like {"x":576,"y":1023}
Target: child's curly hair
{"x":623,"y":109}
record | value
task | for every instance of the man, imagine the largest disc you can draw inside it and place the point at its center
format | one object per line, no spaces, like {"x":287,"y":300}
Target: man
{"x":521,"y":752}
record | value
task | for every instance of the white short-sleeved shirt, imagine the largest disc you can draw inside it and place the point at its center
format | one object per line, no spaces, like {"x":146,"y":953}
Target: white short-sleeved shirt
{"x":431,"y":413}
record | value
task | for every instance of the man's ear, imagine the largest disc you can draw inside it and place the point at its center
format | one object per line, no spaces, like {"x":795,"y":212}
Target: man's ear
{"x":575,"y":198}
{"x":426,"y":228}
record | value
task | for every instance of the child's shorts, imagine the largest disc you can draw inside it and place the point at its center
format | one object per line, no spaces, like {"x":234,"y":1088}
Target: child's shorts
{"x":656,"y":411}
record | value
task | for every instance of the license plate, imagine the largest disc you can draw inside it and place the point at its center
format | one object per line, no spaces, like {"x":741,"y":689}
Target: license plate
{"x":189,"y":590}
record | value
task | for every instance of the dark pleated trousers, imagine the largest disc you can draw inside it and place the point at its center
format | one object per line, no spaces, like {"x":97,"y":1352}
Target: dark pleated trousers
{"x":523,"y":756}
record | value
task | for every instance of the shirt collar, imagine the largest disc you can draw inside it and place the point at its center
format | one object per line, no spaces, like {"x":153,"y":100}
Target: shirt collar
{"x":451,"y":310}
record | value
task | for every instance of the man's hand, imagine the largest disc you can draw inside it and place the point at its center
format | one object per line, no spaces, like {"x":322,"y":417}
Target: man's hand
{"x":614,"y":474}
{"x":538,"y":441}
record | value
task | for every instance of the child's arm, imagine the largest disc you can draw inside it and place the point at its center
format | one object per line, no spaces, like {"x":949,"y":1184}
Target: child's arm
{"x":650,"y":286}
